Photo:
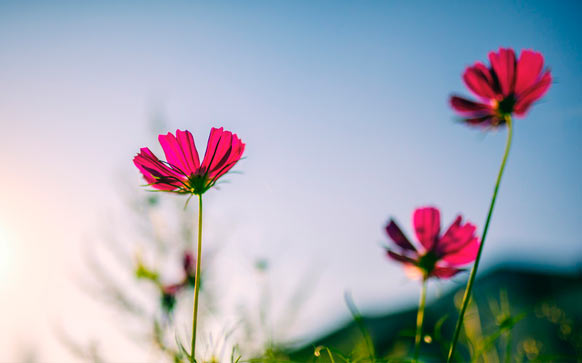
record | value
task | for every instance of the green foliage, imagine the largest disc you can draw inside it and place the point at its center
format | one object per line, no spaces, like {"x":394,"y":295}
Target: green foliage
{"x":142,"y":272}
{"x":168,"y":302}
{"x":369,"y":344}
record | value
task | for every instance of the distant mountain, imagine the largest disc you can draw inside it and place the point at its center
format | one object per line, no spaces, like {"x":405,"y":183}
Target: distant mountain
{"x":548,"y":304}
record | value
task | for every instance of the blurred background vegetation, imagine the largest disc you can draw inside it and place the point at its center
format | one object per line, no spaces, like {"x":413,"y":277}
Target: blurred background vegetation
{"x":518,"y":313}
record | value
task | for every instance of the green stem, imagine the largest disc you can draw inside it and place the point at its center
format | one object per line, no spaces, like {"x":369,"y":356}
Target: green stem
{"x":419,"y":319}
{"x":330,"y":356}
{"x":507,"y":358}
{"x":197,"y":279}
{"x":469,"y":287}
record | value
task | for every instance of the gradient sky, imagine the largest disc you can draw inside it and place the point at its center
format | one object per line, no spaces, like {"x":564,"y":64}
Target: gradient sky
{"x":343,"y":107}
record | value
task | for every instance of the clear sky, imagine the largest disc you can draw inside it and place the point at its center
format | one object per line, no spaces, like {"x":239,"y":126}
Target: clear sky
{"x":342,"y":105}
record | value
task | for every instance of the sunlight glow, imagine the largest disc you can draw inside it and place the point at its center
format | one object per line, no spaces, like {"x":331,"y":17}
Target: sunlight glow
{"x":6,"y":254}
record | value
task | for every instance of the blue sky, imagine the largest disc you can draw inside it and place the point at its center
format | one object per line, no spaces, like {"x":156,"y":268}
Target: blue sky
{"x":342,"y":105}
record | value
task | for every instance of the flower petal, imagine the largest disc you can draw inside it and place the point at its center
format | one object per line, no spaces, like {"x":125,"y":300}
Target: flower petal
{"x":400,"y":258}
{"x":503,"y":64}
{"x":398,"y":236}
{"x":174,"y":154}
{"x":532,"y":94}
{"x":234,"y":155}
{"x":180,"y":151}
{"x":427,"y":224}
{"x":445,"y":272}
{"x":479,"y":80}
{"x":188,"y":147}
{"x":457,"y":236}
{"x":468,"y":107}
{"x":464,"y":255}
{"x":218,"y":147}
{"x":484,"y":121}
{"x":529,"y":66}
{"x":156,"y":173}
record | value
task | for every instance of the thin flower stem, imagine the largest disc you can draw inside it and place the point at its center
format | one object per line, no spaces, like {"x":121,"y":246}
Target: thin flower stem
{"x":419,"y":319}
{"x":197,"y":280}
{"x":469,"y":287}
{"x":507,"y":358}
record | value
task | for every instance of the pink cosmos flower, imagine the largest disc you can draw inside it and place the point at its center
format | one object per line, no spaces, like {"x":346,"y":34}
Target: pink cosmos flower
{"x":182,"y":172}
{"x":508,"y":87}
{"x":438,"y":255}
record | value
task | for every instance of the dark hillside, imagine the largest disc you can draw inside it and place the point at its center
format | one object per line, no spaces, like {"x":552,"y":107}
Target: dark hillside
{"x":551,"y":327}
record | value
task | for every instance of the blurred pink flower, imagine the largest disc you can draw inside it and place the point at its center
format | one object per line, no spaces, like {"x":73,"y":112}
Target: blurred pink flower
{"x":438,"y":255}
{"x":188,"y":262}
{"x":508,"y":87}
{"x":182,"y":172}
{"x":171,"y":289}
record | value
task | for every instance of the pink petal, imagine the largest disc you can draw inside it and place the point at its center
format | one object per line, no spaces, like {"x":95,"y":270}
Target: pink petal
{"x":427,"y":224}
{"x":219,"y":144}
{"x":148,"y":160}
{"x":148,"y":176}
{"x":445,"y":272}
{"x":503,"y":64}
{"x":223,"y":151}
{"x":154,"y":170}
{"x":457,"y":236}
{"x":532,"y":94}
{"x":174,"y":153}
{"x":466,"y":106}
{"x":188,"y":146}
{"x":479,"y":80}
{"x":398,"y":237}
{"x":234,"y":156}
{"x":171,"y":289}
{"x":529,"y":67}
{"x":466,"y":254}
